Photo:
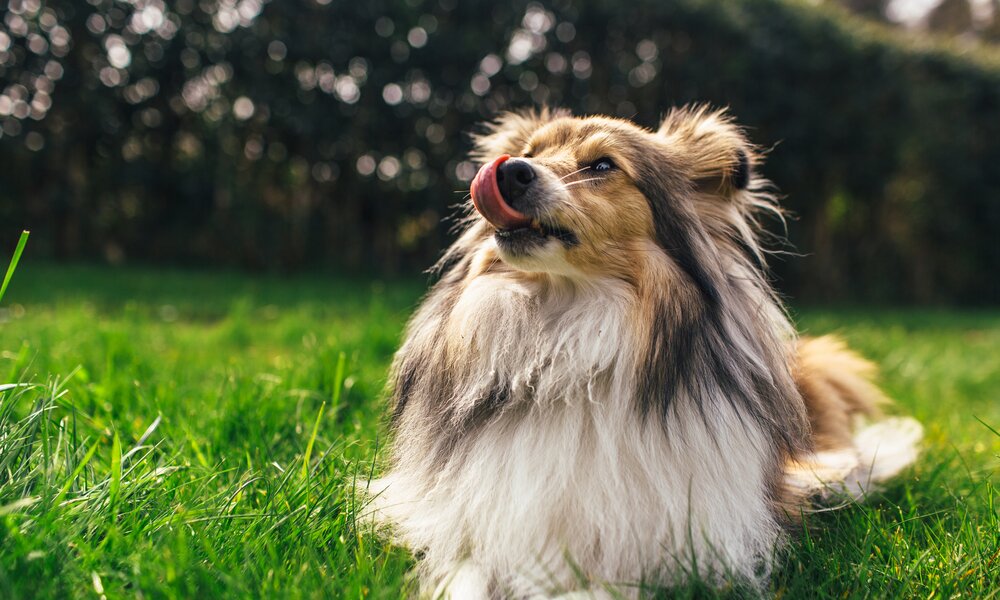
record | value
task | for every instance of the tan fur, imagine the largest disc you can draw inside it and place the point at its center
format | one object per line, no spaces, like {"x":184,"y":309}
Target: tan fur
{"x":509,"y":132}
{"x":836,"y":385}
{"x":612,"y":219}
{"x":708,"y":139}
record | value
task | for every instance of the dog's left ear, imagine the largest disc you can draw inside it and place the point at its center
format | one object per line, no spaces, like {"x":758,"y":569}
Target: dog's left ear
{"x":719,"y":157}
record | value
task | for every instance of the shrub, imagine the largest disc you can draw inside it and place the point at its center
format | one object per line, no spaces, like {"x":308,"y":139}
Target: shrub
{"x":313,"y":134}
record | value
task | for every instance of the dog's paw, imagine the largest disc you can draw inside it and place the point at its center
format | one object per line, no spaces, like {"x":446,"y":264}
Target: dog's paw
{"x":466,"y":582}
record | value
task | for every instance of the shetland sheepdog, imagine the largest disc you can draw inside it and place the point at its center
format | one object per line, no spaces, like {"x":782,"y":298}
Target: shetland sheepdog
{"x":602,"y":390}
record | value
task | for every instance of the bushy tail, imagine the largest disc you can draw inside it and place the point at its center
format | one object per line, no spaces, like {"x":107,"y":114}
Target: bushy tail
{"x":854,"y":447}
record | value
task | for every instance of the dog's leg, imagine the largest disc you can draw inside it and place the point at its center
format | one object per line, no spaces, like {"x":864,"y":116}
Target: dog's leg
{"x":467,"y":581}
{"x":590,"y":594}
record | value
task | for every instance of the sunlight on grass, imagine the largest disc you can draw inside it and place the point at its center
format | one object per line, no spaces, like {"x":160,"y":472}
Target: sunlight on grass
{"x":180,"y":434}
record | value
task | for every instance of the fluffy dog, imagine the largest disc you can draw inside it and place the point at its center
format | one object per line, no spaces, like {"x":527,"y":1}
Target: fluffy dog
{"x":602,"y":388}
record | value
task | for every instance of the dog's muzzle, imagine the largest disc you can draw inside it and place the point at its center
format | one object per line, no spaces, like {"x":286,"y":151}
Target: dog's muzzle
{"x":497,"y":186}
{"x":507,"y":193}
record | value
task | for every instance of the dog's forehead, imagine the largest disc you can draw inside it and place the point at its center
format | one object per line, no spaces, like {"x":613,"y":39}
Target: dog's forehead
{"x":552,"y":134}
{"x":571,"y":132}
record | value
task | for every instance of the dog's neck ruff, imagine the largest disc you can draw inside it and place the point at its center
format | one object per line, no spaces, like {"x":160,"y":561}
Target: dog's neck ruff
{"x":562,"y":475}
{"x":543,"y":342}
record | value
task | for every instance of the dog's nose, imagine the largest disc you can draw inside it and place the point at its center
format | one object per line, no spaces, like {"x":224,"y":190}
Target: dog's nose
{"x":514,"y":177}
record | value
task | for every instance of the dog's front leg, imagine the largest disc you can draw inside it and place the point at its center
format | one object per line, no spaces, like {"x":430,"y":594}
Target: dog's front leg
{"x":466,"y":581}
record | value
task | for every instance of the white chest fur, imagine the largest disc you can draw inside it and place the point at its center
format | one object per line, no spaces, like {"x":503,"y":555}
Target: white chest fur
{"x":570,"y":479}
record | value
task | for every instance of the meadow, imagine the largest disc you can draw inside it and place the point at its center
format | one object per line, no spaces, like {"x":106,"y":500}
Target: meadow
{"x":196,"y":434}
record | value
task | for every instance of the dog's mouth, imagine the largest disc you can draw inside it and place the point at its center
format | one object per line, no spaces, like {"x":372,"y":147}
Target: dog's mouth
{"x":539,"y":231}
{"x":511,"y":224}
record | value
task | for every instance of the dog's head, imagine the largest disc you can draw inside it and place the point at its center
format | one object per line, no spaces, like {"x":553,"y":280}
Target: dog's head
{"x":655,"y":226}
{"x":589,"y":196}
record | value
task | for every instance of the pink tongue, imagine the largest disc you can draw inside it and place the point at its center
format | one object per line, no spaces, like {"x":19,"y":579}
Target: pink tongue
{"x":490,"y":203}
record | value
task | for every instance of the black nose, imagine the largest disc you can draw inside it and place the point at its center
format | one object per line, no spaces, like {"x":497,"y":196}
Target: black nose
{"x":514,"y":177}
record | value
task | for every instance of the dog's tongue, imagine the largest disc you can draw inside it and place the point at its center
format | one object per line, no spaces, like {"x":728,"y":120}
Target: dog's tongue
{"x":490,"y":203}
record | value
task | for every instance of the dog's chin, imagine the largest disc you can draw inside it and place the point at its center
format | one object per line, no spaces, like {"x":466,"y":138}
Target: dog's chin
{"x":535,"y":249}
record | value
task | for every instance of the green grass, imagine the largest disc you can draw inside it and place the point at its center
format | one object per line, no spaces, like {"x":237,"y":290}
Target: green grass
{"x":190,"y":434}
{"x":12,"y":266}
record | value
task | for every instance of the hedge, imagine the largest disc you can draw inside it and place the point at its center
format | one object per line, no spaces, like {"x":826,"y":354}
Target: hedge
{"x":302,"y":134}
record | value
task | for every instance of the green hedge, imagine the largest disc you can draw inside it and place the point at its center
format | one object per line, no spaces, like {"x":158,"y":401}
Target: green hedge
{"x":886,"y":149}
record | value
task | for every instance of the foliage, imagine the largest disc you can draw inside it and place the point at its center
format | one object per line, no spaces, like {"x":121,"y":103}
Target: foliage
{"x":166,"y":463}
{"x":304,"y":133}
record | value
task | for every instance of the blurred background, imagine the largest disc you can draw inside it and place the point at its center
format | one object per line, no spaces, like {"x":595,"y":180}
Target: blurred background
{"x":322,"y":135}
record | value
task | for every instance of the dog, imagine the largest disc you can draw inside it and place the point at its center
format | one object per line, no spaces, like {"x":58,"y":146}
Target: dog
{"x":602,"y":390}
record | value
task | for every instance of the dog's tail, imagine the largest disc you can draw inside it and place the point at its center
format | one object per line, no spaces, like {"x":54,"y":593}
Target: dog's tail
{"x":854,"y":447}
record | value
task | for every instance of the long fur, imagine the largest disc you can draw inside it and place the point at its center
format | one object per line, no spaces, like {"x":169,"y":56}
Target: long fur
{"x":626,"y":408}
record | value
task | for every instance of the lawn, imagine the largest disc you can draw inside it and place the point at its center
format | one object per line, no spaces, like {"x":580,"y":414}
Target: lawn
{"x":201,"y":434}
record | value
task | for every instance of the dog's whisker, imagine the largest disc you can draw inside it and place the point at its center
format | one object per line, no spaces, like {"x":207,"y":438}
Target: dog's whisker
{"x":573,"y":173}
{"x":578,"y":182}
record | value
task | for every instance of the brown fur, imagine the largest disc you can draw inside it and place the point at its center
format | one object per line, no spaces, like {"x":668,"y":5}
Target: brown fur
{"x":836,"y":385}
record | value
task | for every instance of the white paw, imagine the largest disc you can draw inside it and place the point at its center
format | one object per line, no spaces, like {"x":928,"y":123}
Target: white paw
{"x":466,"y":582}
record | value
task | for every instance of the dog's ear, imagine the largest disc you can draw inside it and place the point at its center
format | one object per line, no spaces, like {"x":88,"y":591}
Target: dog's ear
{"x":510,"y":132}
{"x":717,"y":153}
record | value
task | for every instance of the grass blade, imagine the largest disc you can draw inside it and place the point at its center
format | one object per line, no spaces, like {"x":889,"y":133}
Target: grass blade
{"x":18,"y":505}
{"x":197,"y":449}
{"x":76,"y":473}
{"x":338,"y":379}
{"x":312,"y":440}
{"x":987,"y":426}
{"x":116,"y":475}
{"x":13,"y":261}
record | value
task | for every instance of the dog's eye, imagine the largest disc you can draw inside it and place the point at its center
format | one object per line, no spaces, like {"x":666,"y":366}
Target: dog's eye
{"x":602,"y":165}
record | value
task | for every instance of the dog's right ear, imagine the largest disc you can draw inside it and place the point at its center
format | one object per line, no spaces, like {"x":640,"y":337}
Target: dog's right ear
{"x":720,"y":158}
{"x":509,"y":133}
